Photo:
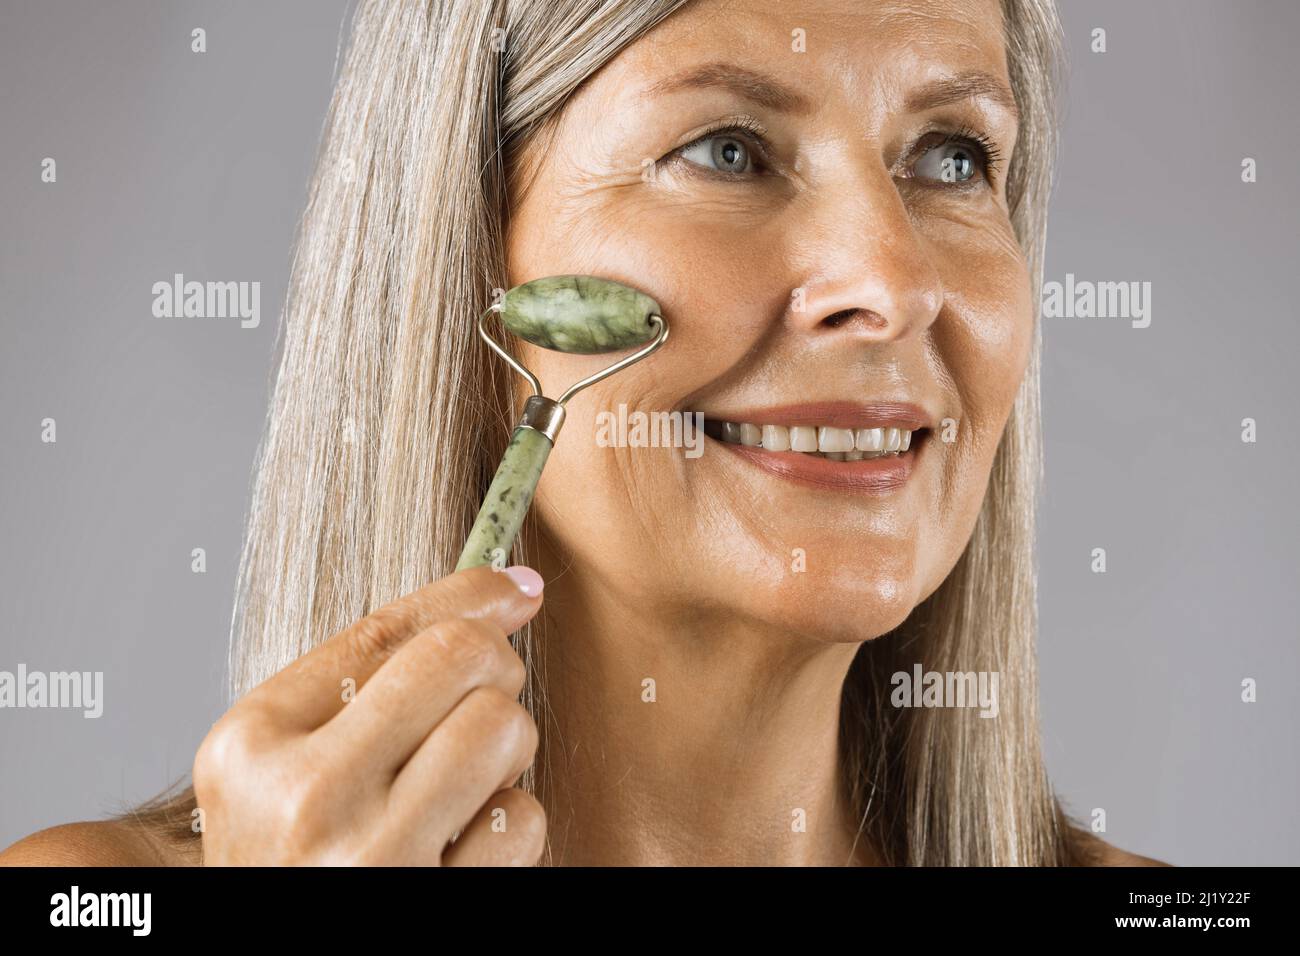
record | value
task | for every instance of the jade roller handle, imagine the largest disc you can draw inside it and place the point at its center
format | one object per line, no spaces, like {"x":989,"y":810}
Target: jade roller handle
{"x":579,"y":315}
{"x":511,"y":492}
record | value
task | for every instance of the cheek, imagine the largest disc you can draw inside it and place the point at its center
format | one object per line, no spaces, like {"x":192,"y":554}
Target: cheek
{"x":981,"y":344}
{"x":602,"y":499}
{"x":986,"y":344}
{"x":617,"y":496}
{"x":719,"y":294}
{"x":713,"y":267}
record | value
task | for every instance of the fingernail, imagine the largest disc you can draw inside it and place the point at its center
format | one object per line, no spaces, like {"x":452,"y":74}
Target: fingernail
{"x":526,"y":579}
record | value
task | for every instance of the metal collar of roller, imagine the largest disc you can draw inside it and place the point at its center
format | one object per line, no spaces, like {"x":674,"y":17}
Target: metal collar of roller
{"x":580,"y":315}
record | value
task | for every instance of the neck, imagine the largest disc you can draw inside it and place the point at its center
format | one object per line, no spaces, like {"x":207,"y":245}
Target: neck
{"x":674,"y":738}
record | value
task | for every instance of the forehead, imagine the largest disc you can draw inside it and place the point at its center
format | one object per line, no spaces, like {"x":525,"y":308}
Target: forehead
{"x":867,"y":52}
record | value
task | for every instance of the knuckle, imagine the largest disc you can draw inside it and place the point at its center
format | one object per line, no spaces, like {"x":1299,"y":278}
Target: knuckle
{"x":230,"y":746}
{"x":514,"y":673}
{"x":298,"y":810}
{"x":508,"y":723}
{"x":460,"y":593}
{"x":459,"y":590}
{"x":377,"y":635}
{"x":472,"y":648}
{"x":441,"y":598}
{"x":526,"y":822}
{"x":304,"y":806}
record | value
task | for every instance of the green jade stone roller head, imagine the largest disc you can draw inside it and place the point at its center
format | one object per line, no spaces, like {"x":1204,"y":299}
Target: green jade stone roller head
{"x":580,"y":315}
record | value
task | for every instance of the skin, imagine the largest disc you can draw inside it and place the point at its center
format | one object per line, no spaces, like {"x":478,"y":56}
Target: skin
{"x":657,"y":566}
{"x":913,"y":289}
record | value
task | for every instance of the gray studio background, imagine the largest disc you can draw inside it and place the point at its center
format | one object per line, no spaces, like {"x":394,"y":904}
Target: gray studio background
{"x":173,"y":162}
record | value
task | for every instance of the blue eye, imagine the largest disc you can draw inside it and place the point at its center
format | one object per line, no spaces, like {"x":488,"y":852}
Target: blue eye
{"x":963,"y":156}
{"x":723,"y":154}
{"x":949,"y":163}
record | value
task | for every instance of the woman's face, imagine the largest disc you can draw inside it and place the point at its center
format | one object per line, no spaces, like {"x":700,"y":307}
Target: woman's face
{"x":816,"y":198}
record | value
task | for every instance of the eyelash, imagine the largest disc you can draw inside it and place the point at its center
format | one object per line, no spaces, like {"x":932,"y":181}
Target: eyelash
{"x":989,"y":155}
{"x":752,"y":131}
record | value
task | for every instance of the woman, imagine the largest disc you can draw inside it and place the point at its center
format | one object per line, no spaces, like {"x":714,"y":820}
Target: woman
{"x":840,"y":208}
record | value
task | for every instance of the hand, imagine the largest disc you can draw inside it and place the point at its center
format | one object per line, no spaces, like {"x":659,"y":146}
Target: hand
{"x":381,"y":746}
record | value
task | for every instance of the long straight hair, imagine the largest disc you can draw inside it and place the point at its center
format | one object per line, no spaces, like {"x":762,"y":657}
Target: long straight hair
{"x":374,"y":457}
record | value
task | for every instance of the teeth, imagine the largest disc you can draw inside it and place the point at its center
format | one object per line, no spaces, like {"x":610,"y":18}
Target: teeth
{"x":837,"y":444}
{"x":869,"y":439}
{"x":776,"y":438}
{"x":803,"y":438}
{"x":834,"y":439}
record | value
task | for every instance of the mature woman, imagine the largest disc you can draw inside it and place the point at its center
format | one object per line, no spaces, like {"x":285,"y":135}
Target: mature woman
{"x":840,"y":208}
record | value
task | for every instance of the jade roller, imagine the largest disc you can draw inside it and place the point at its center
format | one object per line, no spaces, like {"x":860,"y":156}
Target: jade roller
{"x":582,"y":315}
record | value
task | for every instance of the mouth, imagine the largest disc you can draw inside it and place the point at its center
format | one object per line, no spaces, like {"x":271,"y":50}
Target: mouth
{"x":872,"y":448}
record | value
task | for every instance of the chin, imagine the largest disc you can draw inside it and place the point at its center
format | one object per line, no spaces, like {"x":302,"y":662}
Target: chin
{"x":843,"y":596}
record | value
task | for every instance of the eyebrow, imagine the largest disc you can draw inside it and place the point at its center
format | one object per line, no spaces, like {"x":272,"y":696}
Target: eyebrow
{"x":765,"y":91}
{"x":963,"y":86}
{"x":752,"y":86}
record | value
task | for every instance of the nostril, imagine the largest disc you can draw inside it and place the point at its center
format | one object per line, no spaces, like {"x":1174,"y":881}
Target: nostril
{"x":866,"y":317}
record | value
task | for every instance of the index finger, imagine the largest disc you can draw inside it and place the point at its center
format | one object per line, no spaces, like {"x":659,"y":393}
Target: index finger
{"x":312,"y":689}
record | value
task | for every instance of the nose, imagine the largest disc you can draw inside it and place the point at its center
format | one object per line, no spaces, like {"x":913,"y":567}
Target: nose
{"x":869,"y":273}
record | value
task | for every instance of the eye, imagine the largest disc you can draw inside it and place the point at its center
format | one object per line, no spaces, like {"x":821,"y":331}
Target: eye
{"x":721,"y":153}
{"x":959,"y":158}
{"x":732,"y":148}
{"x":950,"y":163}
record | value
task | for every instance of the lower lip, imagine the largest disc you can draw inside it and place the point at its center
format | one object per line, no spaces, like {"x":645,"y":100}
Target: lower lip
{"x":870,"y":475}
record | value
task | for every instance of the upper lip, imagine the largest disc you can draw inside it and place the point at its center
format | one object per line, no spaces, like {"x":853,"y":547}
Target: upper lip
{"x":834,"y":414}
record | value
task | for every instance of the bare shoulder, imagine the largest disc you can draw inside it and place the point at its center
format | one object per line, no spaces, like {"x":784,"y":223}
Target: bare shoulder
{"x":102,"y":843}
